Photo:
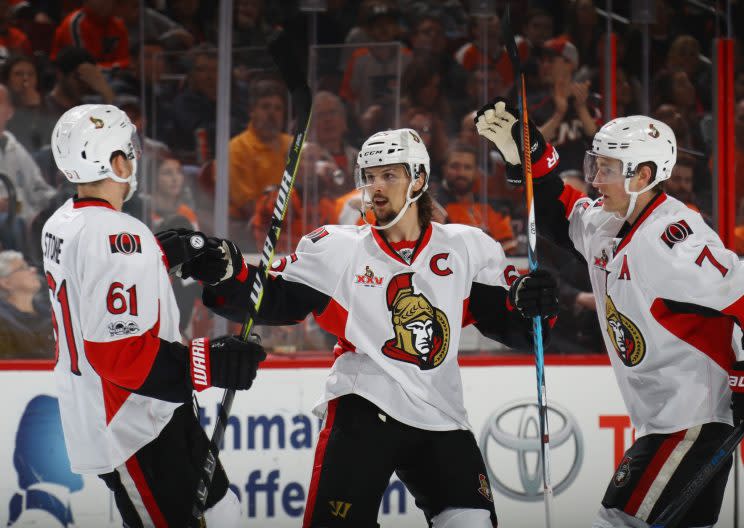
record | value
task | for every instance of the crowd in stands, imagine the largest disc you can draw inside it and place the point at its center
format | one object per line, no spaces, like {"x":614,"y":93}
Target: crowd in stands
{"x":427,"y":65}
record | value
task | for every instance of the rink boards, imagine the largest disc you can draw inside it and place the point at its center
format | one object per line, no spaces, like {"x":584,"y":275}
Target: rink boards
{"x":270,"y":441}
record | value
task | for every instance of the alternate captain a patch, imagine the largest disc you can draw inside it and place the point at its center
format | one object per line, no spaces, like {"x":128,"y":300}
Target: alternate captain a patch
{"x":627,"y":340}
{"x":422,"y":332}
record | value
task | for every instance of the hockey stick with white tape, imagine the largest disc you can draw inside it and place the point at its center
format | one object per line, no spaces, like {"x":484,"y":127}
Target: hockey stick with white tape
{"x":282,"y":50}
{"x":672,"y":514}
{"x":525,"y":143}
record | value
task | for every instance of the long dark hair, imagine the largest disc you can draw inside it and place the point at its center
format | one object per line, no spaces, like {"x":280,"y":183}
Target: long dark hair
{"x":425,"y":209}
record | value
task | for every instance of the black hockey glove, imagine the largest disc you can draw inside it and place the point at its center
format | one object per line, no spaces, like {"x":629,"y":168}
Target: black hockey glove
{"x":181,"y":245}
{"x":535,"y":294}
{"x":736,"y":382}
{"x":227,"y":362}
{"x":221,"y":262}
{"x":499,"y":123}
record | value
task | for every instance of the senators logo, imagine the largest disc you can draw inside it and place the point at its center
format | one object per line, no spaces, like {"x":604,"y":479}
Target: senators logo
{"x":422,"y":332}
{"x":98,"y":123}
{"x":125,"y":243}
{"x":675,"y":233}
{"x":653,"y":131}
{"x":368,"y":278}
{"x":484,"y":488}
{"x":622,"y":475}
{"x":625,"y":336}
{"x":601,"y":261}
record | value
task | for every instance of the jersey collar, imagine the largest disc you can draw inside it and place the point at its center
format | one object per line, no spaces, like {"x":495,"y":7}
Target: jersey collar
{"x":627,"y":231}
{"x":78,"y":203}
{"x":421,"y":243}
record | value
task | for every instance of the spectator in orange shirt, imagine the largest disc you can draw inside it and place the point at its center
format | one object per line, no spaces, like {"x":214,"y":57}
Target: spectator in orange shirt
{"x":94,"y":28}
{"x":258,"y":155}
{"x":12,"y":40}
{"x":461,"y":203}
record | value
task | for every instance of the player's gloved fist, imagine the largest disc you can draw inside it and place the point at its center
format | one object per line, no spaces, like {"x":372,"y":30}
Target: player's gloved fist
{"x":223,"y":261}
{"x":736,"y":382}
{"x":535,"y":294}
{"x":499,"y":123}
{"x":181,"y":245}
{"x":227,"y":362}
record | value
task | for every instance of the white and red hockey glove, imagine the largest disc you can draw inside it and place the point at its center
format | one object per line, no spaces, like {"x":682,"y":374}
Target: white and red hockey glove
{"x":227,"y":362}
{"x":499,"y":123}
{"x":736,"y":382}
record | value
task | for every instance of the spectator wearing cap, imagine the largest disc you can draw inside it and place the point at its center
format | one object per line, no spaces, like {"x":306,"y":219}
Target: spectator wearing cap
{"x":568,"y":115}
{"x":32,"y":192}
{"x":77,"y":78}
{"x":25,"y":325}
{"x":258,"y":154}
{"x":94,"y":28}
{"x":12,"y":40}
{"x":371,"y":74}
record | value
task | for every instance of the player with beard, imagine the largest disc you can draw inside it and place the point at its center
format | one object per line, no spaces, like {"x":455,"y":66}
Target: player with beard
{"x":396,"y":294}
{"x":668,"y":297}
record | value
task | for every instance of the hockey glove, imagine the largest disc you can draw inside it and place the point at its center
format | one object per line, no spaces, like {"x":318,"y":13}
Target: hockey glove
{"x":223,"y":261}
{"x":227,"y":362}
{"x":181,"y":245}
{"x":736,"y":382}
{"x":500,"y":124}
{"x":535,"y":294}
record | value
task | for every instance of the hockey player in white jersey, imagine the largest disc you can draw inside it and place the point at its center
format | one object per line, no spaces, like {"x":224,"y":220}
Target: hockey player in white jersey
{"x":125,"y":382}
{"x":668,"y":296}
{"x":396,"y":294}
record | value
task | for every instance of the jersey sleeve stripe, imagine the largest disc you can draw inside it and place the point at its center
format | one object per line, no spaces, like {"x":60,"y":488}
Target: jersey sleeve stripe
{"x":568,"y":197}
{"x":333,"y":318}
{"x":710,"y":335}
{"x":125,"y":362}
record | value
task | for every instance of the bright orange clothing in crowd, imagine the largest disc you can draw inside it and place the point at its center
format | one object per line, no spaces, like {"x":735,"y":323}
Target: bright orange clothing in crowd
{"x":15,"y":41}
{"x":254,"y":166}
{"x":497,"y":225}
{"x":105,"y":38}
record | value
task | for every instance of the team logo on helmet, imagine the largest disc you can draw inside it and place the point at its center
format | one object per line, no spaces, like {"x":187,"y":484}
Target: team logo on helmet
{"x":415,"y":137}
{"x":625,"y":336}
{"x":676,"y":232}
{"x":653,"y":131}
{"x":97,"y":122}
{"x":622,"y":475}
{"x":422,"y":332}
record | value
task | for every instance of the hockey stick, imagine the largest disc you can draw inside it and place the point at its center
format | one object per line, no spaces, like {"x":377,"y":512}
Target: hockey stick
{"x":281,"y":49}
{"x":542,"y":401}
{"x":671,"y":515}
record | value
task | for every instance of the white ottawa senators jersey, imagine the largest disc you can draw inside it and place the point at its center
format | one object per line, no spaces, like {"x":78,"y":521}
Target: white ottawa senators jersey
{"x":668,"y":296}
{"x":399,"y":324}
{"x":112,"y":302}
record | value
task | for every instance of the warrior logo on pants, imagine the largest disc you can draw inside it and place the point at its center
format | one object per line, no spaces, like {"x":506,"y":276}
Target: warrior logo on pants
{"x":421,"y":330}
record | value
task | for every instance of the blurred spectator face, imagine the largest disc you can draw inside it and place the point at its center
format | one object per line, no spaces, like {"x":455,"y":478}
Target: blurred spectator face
{"x":468,"y":132}
{"x":739,"y":121}
{"x":127,"y":10}
{"x":170,"y":178}
{"x":383,"y":29}
{"x":18,"y":278}
{"x":267,"y":115}
{"x":429,"y":36}
{"x":684,"y":53}
{"x":102,"y":8}
{"x":183,"y":9}
{"x":315,"y":162}
{"x":739,"y":86}
{"x":204,"y":76}
{"x":680,"y":183}
{"x":421,"y":123}
{"x":247,"y":13}
{"x":683,"y":91}
{"x":154,"y":62}
{"x":429,"y":92}
{"x":22,"y":77}
{"x":6,"y":107}
{"x":622,"y":86}
{"x":492,"y":27}
{"x":586,"y":16}
{"x":494,"y":84}
{"x":539,"y":29}
{"x":329,"y":118}
{"x":459,"y":172}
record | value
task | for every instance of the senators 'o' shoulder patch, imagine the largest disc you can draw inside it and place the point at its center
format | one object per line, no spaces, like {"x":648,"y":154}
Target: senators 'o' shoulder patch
{"x":316,"y":235}
{"x":676,"y":232}
{"x":125,"y":243}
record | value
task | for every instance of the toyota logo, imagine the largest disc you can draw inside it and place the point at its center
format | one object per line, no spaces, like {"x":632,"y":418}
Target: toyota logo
{"x":510,"y":442}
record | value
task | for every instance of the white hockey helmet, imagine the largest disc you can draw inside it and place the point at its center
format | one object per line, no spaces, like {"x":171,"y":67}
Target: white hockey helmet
{"x":625,"y":143}
{"x":390,"y":147}
{"x":86,"y":136}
